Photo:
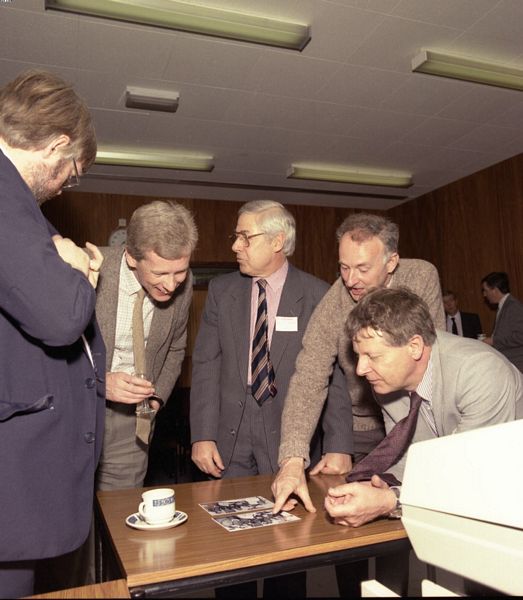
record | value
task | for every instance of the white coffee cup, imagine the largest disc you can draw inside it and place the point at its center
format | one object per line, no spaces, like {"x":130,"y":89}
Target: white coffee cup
{"x":158,"y":506}
{"x":481,"y":336}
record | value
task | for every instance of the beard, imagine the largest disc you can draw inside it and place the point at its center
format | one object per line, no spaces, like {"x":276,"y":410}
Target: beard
{"x":43,"y":180}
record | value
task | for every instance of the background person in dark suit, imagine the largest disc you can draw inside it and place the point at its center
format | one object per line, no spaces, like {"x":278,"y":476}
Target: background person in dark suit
{"x":507,"y":336}
{"x":232,"y":435}
{"x":51,"y":353}
{"x":459,"y":322}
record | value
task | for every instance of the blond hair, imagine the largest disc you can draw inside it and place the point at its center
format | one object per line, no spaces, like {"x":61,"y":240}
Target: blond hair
{"x":166,"y":228}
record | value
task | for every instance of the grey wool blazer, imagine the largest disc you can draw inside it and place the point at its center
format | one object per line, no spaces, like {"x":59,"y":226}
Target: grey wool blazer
{"x":472,"y":386}
{"x":165,"y":349}
{"x":220,"y":365}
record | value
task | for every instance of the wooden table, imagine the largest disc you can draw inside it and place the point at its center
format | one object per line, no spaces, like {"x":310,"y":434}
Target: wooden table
{"x":201,"y":554}
{"x":108,"y":589}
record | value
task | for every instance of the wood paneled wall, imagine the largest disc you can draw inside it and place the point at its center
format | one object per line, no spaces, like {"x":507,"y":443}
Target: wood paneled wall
{"x":91,"y":217}
{"x":468,"y":229}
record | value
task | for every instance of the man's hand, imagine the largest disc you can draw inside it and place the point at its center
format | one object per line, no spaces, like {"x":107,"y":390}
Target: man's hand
{"x":206,"y":457}
{"x":333,"y":463}
{"x":126,"y":388}
{"x":291,"y":479}
{"x":72,"y":254}
{"x":488,"y":340}
{"x":95,"y":262}
{"x":354,"y":504}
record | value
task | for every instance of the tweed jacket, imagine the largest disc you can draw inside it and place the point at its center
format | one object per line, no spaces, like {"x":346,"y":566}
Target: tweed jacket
{"x":220,"y":365}
{"x":472,"y":386}
{"x":508,"y":332}
{"x":326,"y":342}
{"x":165,"y":348}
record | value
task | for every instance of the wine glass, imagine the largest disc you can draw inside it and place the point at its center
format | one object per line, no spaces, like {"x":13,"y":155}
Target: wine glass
{"x":143,"y":407}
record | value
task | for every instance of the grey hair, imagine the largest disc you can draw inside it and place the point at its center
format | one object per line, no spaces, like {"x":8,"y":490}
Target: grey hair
{"x":363,"y":226}
{"x":273,"y":218}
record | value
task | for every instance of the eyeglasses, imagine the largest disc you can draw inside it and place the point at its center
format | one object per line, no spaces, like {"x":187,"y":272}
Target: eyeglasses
{"x":245,"y":240}
{"x":73,"y":180}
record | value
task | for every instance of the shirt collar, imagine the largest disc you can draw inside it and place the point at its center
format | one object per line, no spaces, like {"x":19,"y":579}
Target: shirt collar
{"x":277,"y":279}
{"x":424,"y":388}
{"x":502,"y":301}
{"x":130,"y":285}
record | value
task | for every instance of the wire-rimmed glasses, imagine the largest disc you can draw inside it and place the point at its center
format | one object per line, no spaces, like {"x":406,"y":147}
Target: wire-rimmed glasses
{"x":243,"y":238}
{"x":73,"y":180}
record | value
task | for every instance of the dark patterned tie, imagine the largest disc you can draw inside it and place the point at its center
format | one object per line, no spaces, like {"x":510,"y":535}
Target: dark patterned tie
{"x":390,"y":449}
{"x":262,"y":373}
{"x":454,"y":326}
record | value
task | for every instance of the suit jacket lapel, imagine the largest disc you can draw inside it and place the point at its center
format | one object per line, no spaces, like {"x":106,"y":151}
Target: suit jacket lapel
{"x":240,"y":319}
{"x":502,"y":313}
{"x":107,"y":299}
{"x":160,"y":329}
{"x":290,"y":306}
{"x":438,"y":393}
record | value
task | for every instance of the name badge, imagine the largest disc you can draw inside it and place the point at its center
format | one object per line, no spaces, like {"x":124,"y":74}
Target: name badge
{"x":286,"y":324}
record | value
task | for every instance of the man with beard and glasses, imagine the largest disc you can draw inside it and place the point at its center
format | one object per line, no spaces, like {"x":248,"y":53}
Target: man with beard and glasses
{"x":51,"y":353}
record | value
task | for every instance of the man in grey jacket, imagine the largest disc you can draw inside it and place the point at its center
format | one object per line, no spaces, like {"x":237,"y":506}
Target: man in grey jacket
{"x":507,"y":336}
{"x":463,"y":385}
{"x":234,"y":432}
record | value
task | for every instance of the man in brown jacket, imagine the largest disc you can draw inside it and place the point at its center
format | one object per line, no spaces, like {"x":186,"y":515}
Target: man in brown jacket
{"x":368,"y":258}
{"x":161,"y":237}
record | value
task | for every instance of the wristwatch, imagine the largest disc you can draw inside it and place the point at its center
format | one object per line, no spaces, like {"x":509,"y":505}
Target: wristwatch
{"x":396,"y":513}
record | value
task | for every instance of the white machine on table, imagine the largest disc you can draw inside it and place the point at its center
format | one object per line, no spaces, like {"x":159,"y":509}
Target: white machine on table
{"x":462,"y":498}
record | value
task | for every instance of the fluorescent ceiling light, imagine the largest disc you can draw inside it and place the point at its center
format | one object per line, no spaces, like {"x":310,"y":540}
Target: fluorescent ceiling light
{"x":196,"y":18}
{"x":160,"y":159}
{"x":144,"y":98}
{"x":467,"y":69}
{"x":350,"y":175}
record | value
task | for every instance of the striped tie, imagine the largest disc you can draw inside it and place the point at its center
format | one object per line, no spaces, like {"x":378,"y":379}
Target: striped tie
{"x":262,"y":373}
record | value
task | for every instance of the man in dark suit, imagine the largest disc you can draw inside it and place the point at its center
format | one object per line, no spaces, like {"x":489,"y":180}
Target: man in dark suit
{"x":234,"y":434}
{"x":458,"y":322}
{"x":507,"y":336}
{"x":51,"y":353}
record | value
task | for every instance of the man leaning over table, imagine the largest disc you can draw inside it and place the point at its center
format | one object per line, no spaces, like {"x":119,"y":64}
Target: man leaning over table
{"x":368,"y":258}
{"x":462,"y":383}
{"x":161,"y":237}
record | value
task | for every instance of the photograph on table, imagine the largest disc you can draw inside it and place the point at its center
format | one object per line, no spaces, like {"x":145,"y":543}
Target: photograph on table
{"x":238,"y":505}
{"x":253,"y":520}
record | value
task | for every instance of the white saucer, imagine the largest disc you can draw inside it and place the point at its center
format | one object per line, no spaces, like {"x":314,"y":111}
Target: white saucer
{"x":137,"y":522}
